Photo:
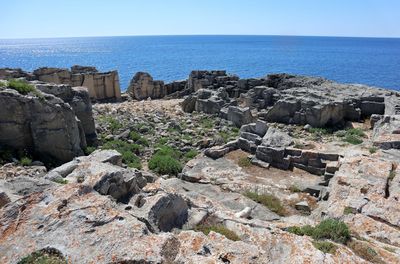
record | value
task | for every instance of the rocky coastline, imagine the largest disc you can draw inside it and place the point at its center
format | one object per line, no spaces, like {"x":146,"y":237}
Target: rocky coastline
{"x":211,"y":169}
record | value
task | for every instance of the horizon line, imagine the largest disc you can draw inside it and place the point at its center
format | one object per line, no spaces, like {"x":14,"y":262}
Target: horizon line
{"x":194,"y":35}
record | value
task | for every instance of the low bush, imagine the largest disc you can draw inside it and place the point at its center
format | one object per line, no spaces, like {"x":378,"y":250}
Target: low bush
{"x":166,"y":161}
{"x":22,"y":86}
{"x":191,"y":154}
{"x":373,"y":150}
{"x":89,"y":150}
{"x":25,"y":161}
{"x":128,"y":152}
{"x":325,"y":246}
{"x":332,"y":229}
{"x":352,"y":139}
{"x":60,"y":181}
{"x":43,"y":257}
{"x":220,"y":229}
{"x":268,"y":200}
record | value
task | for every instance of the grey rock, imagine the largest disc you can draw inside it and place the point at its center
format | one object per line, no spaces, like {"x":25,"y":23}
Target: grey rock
{"x":239,"y":116}
{"x":48,"y":127}
{"x":386,"y":133}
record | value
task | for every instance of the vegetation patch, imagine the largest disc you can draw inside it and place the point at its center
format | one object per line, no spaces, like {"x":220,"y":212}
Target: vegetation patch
{"x":44,"y":257}
{"x":21,"y":86}
{"x":269,"y":201}
{"x":349,"y":210}
{"x":138,"y":139}
{"x":294,"y":189}
{"x":60,"y":181}
{"x":166,"y":161}
{"x":113,"y":124}
{"x":191,"y":154}
{"x":332,"y":229}
{"x":325,"y":246}
{"x":220,"y":229}
{"x":363,"y":250}
{"x":25,"y":161}
{"x":353,"y":135}
{"x":128,"y":152}
{"x":372,"y":150}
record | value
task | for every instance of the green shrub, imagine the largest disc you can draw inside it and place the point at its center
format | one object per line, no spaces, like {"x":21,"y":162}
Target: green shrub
{"x":191,"y":154}
{"x":128,"y":152}
{"x":131,"y":160}
{"x":332,"y":229}
{"x":25,"y":161}
{"x":22,"y":86}
{"x":353,"y":139}
{"x":43,"y":257}
{"x":268,"y":200}
{"x":134,"y":135}
{"x":349,"y":210}
{"x":113,"y":124}
{"x":355,"y":132}
{"x":244,"y":162}
{"x":89,"y":150}
{"x":166,"y":161}
{"x":60,"y":181}
{"x":373,"y":150}
{"x":207,"y":122}
{"x":220,"y":229}
{"x":325,"y":246}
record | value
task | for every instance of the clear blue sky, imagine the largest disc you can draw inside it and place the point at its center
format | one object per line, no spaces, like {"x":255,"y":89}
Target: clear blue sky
{"x":72,"y":18}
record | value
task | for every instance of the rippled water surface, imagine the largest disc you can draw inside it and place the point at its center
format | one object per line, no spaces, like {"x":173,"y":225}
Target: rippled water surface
{"x":371,"y":61}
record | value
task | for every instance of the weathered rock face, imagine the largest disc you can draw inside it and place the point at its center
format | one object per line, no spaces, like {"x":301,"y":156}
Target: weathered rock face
{"x":366,"y":185}
{"x":78,"y":98}
{"x":46,"y":126}
{"x":143,"y":86}
{"x":101,"y":86}
{"x":386,"y":134}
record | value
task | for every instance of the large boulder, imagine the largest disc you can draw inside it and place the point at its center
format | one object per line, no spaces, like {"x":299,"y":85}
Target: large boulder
{"x":239,"y":116}
{"x":78,"y":98}
{"x":143,"y":86}
{"x":45,"y":125}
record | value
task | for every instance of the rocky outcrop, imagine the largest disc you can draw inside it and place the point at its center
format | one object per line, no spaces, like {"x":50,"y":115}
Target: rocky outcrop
{"x":44,"y":125}
{"x":78,"y":98}
{"x":101,"y":86}
{"x":386,"y":134}
{"x":293,"y":99}
{"x":143,"y":86}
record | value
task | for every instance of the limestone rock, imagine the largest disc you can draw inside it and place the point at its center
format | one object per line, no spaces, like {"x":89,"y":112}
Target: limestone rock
{"x":143,"y":86}
{"x":48,"y":127}
{"x":239,"y":116}
{"x":386,"y":134}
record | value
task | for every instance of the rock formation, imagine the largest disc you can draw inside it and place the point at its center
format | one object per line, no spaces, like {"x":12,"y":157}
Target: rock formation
{"x":247,"y":171}
{"x":54,"y":122}
{"x":101,"y":86}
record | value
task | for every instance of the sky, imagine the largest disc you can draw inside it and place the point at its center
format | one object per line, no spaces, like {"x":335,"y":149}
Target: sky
{"x":75,"y":18}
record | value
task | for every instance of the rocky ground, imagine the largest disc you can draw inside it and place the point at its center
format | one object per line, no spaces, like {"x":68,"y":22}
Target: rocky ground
{"x":167,"y":186}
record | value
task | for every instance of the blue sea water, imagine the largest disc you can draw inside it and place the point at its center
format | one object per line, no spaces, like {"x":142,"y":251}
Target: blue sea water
{"x":371,"y":61}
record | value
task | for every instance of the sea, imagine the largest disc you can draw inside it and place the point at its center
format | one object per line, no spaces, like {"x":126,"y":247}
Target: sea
{"x":370,"y":61}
